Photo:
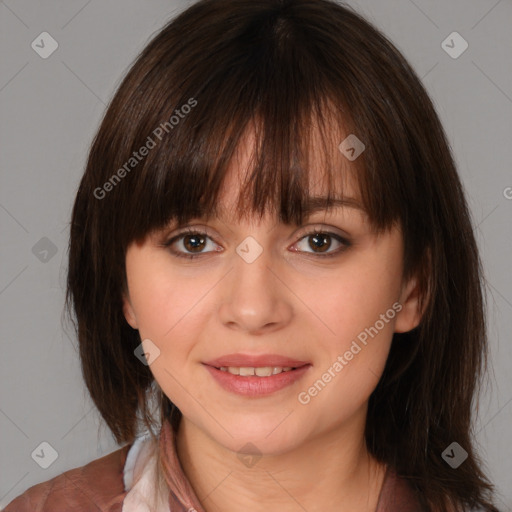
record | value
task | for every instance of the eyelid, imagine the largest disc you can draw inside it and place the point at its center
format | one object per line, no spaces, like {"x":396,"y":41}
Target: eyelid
{"x":344,"y":239}
{"x":305,"y":230}
{"x":320,"y":228}
{"x":170,"y":239}
{"x":202,"y":230}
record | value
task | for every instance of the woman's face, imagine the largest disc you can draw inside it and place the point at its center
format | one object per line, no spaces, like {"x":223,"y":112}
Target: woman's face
{"x":261,"y":295}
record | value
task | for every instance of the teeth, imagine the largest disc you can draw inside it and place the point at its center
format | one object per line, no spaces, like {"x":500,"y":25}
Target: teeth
{"x":265,"y":371}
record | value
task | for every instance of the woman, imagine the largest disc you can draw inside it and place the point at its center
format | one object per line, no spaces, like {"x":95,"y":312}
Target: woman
{"x":271,"y":240}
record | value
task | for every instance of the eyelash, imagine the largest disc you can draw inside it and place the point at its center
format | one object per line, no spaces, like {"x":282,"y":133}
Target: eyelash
{"x":190,"y":231}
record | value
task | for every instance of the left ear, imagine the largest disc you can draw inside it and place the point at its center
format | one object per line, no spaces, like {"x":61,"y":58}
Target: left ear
{"x":128,"y":312}
{"x":410,"y":315}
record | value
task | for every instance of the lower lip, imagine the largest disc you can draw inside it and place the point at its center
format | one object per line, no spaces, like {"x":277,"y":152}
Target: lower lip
{"x":256,"y":386}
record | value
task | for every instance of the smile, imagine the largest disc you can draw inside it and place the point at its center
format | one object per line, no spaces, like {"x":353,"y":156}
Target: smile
{"x":265,"y":371}
{"x":256,"y":381}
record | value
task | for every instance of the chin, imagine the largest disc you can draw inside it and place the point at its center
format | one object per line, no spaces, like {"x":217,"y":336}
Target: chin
{"x":269,"y":436}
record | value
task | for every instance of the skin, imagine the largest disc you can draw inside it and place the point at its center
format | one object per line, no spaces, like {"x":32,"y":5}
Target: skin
{"x":288,"y":302}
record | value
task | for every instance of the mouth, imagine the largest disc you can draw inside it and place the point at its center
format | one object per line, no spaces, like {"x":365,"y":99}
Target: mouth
{"x":256,"y":361}
{"x":258,"y":371}
{"x":256,"y":375}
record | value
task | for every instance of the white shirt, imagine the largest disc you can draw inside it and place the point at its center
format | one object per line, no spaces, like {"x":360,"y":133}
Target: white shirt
{"x":139,"y":478}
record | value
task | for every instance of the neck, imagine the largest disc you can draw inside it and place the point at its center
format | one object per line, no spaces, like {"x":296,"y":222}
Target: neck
{"x":333,"y":471}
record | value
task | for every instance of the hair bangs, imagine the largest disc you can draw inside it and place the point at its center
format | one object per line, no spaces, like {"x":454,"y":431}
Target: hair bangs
{"x":293,"y":143}
{"x":274,"y":93}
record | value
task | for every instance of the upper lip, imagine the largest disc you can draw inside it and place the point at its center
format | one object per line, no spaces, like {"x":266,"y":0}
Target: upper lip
{"x":255,"y":361}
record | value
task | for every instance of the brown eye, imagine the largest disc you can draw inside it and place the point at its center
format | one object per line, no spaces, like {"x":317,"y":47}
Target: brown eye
{"x":194,"y":243}
{"x":322,"y":243}
{"x":319,"y":242}
{"x":191,"y":244}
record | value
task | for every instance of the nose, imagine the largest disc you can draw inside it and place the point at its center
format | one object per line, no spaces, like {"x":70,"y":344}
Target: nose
{"x":255,"y":300}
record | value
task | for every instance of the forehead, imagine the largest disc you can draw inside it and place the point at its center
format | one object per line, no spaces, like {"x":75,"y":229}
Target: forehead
{"x":342,"y":184}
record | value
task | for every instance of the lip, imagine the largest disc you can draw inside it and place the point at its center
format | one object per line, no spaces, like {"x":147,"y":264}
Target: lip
{"x":255,"y":361}
{"x":253,"y":386}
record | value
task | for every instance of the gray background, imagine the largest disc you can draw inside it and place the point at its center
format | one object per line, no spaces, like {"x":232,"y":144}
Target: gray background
{"x":50,"y":109}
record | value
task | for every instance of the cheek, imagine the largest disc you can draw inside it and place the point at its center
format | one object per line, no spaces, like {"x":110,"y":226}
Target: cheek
{"x":355,"y":356}
{"x":169,"y":310}
{"x":358,"y":308}
{"x":357,"y":299}
{"x":163,"y":300}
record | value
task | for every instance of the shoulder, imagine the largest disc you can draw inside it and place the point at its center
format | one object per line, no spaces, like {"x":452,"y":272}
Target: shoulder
{"x":96,"y":486}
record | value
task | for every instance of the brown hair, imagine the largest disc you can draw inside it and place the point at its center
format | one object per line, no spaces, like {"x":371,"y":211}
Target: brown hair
{"x":297,"y":68}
